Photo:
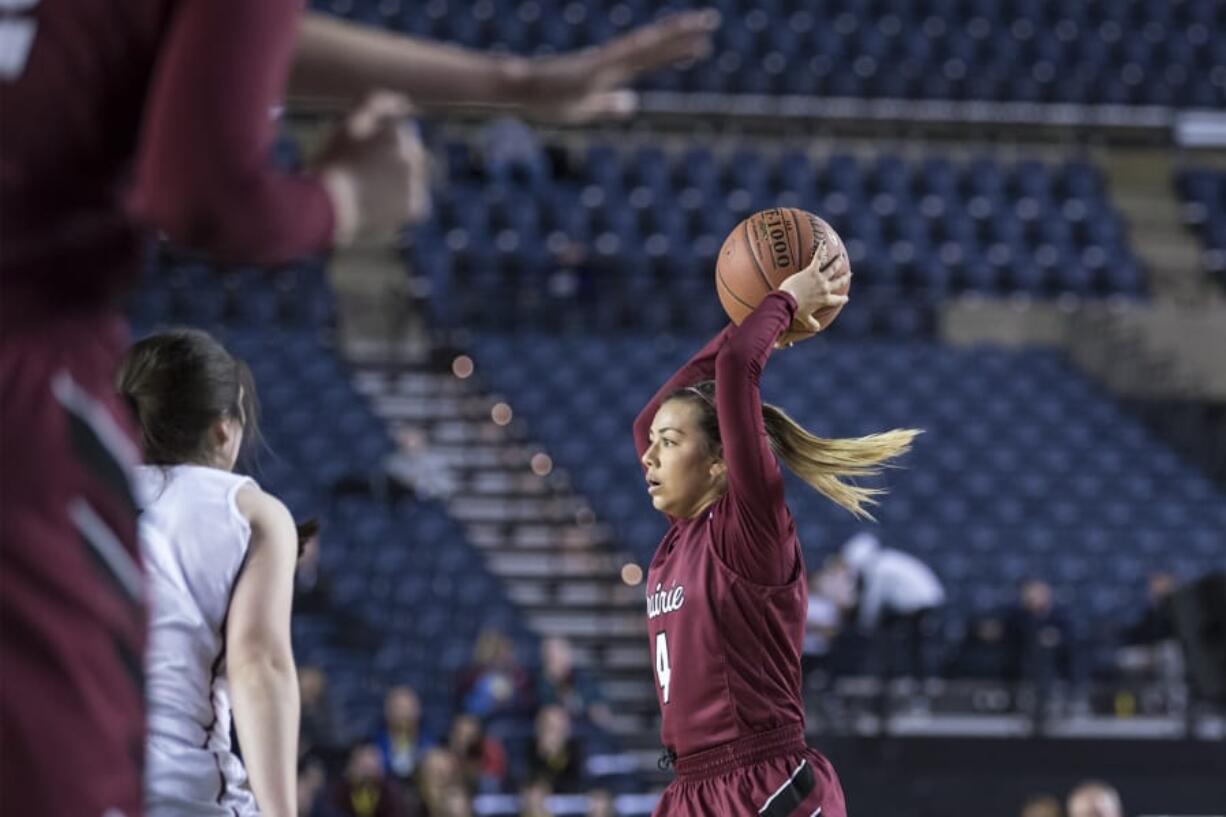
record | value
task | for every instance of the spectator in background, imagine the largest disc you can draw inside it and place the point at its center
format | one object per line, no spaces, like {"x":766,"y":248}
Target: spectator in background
{"x":1150,"y":648}
{"x":534,"y":799}
{"x":1040,"y":644}
{"x":365,"y":791}
{"x":319,"y":730}
{"x":482,"y":760}
{"x":1156,"y":623}
{"x":982,"y":653}
{"x":897,"y":595}
{"x":312,"y":785}
{"x":832,"y":594}
{"x":312,"y":591}
{"x":313,"y":595}
{"x":561,"y":684}
{"x":439,"y":774}
{"x":455,"y":803}
{"x":424,"y":470}
{"x":401,"y":741}
{"x":495,"y":683}
{"x":556,"y":756}
{"x":600,"y":804}
{"x":1042,"y":805}
{"x":1094,"y":798}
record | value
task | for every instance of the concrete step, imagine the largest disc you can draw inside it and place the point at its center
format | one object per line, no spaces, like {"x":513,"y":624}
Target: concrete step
{"x":545,"y":509}
{"x":481,"y":456}
{"x":1142,"y":189}
{"x":420,"y":384}
{"x":590,"y":566}
{"x":422,"y":409}
{"x":577,"y":595}
{"x":606,"y":623}
{"x":496,"y":536}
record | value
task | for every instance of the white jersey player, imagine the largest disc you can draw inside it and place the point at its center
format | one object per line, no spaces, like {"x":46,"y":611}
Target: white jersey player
{"x":220,"y":556}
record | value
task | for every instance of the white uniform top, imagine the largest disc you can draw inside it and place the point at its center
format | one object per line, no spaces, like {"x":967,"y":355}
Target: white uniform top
{"x":194,"y":542}
{"x":894,"y":582}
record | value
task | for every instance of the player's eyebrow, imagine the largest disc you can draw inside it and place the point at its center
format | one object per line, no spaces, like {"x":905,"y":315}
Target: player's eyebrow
{"x":668,"y":428}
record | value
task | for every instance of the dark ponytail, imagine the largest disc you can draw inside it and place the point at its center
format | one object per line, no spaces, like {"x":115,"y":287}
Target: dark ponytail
{"x":179,"y":383}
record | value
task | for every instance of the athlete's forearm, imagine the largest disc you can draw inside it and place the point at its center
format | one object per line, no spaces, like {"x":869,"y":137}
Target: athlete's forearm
{"x":738,"y":370}
{"x":264,"y":691}
{"x":341,"y":61}
{"x":201,"y":174}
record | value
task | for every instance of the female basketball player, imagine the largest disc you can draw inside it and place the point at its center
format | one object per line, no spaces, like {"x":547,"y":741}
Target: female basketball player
{"x":220,"y":556}
{"x":726,"y":590}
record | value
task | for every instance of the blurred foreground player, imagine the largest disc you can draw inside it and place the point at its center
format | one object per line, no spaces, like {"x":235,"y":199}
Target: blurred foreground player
{"x":726,"y":590}
{"x":219,"y":554}
{"x":118,"y":119}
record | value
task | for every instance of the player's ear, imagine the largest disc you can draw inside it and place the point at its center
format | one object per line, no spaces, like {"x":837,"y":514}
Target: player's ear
{"x":718,"y":468}
{"x":222,"y":431}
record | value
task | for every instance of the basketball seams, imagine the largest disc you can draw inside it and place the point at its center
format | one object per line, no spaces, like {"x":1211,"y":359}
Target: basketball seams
{"x":754,"y":231}
{"x":719,"y":276}
{"x":800,"y":260}
{"x":753,"y":255}
{"x":814,"y":225}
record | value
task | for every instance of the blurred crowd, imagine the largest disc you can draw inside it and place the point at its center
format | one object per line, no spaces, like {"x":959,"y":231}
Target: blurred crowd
{"x":403,"y":770}
{"x":1090,"y":798}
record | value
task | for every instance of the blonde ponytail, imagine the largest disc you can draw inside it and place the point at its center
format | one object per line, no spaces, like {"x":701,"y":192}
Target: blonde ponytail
{"x":825,"y":463}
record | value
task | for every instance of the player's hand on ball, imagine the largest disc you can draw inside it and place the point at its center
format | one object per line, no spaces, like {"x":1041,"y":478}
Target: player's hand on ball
{"x":374,"y":168}
{"x":815,"y":289}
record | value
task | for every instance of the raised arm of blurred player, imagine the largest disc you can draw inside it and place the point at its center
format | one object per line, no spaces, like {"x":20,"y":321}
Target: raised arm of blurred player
{"x":260,"y":658}
{"x":202,"y":174}
{"x":341,"y":61}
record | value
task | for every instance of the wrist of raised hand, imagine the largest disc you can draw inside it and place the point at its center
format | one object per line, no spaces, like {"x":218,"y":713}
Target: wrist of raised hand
{"x":342,"y":192}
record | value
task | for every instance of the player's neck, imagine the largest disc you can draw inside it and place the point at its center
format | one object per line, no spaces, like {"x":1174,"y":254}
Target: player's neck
{"x":704,"y":504}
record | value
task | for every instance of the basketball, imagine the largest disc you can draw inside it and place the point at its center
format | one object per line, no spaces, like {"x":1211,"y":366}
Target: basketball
{"x":766,"y":248}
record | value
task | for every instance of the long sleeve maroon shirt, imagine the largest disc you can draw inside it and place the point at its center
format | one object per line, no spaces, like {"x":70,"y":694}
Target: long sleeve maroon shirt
{"x":726,"y":594}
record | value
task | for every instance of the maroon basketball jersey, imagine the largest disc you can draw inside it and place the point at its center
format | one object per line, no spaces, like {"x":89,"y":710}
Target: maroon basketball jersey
{"x":726,"y":650}
{"x":726,"y":593}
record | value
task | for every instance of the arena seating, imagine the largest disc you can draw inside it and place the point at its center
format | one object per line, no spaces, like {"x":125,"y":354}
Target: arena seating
{"x":1204,"y":195}
{"x":1026,"y":468}
{"x":612,"y":237}
{"x":1119,"y":52}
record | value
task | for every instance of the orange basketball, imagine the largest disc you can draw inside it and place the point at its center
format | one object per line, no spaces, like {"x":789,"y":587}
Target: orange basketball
{"x":766,"y":248}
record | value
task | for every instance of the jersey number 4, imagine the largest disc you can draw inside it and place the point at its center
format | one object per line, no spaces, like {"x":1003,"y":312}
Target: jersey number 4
{"x":663,"y":673}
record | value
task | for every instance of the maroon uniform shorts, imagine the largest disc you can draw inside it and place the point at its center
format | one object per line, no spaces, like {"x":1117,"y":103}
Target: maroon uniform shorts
{"x":72,"y":618}
{"x":773,"y":774}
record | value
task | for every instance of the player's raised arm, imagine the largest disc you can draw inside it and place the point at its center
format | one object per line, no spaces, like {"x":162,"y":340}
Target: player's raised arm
{"x":700,"y":367}
{"x":754,"y":480}
{"x":202,"y":174}
{"x":340,"y":61}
